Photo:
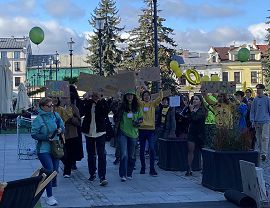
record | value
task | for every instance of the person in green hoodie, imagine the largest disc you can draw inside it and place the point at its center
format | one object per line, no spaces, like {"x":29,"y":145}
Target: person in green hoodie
{"x":128,"y":120}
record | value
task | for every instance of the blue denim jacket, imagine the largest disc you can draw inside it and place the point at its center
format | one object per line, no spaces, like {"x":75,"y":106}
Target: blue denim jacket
{"x":41,"y":132}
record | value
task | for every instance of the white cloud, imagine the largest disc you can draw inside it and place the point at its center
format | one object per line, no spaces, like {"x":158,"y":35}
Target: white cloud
{"x":258,"y":31}
{"x":197,"y":40}
{"x":56,"y":36}
{"x":63,"y":9}
{"x":25,"y":7}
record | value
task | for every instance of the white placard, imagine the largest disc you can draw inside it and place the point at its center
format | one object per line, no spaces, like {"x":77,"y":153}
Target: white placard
{"x":174,"y":101}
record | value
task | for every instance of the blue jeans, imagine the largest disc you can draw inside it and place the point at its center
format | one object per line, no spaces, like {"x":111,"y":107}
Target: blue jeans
{"x":151,"y":137}
{"x":51,"y":164}
{"x":127,"y":155}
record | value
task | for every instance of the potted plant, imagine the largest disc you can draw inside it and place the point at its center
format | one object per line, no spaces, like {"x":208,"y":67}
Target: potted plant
{"x":221,"y":169}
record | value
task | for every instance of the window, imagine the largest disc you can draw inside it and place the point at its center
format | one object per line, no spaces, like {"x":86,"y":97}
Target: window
{"x":214,"y":59}
{"x":252,"y":57}
{"x":17,"y":54}
{"x":254,"y":77}
{"x":3,"y":54}
{"x":237,"y":77}
{"x":17,"y":66}
{"x":225,"y":76}
{"x":17,"y":81}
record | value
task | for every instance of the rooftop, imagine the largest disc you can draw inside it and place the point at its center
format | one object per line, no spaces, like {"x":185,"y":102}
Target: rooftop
{"x":13,"y":43}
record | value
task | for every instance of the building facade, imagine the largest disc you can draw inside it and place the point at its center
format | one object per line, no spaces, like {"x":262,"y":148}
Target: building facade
{"x":17,"y":51}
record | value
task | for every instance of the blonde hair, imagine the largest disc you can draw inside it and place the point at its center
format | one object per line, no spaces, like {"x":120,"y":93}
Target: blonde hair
{"x":44,"y":101}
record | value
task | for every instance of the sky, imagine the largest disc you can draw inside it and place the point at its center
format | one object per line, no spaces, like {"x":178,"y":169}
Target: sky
{"x":197,"y":24}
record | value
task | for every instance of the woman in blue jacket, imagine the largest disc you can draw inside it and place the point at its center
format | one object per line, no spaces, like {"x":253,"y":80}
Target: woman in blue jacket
{"x":44,"y":127}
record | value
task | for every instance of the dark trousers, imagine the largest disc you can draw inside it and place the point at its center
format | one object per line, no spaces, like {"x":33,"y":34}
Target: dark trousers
{"x":68,"y":159}
{"x":96,"y":148}
{"x":150,"y":136}
{"x":127,"y":155}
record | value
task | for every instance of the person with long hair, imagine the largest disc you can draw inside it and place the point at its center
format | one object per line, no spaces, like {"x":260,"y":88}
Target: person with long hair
{"x":196,"y":132}
{"x":45,"y":128}
{"x":129,"y":118}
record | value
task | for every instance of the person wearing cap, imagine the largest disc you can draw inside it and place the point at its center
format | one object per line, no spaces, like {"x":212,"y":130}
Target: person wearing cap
{"x":94,"y":128}
{"x":260,"y":119}
{"x":147,"y":129}
{"x":128,"y":119}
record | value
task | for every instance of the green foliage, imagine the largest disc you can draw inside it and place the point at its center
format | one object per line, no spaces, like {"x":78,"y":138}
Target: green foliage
{"x":37,"y":91}
{"x":140,"y":51}
{"x":232,"y":140}
{"x":111,"y":54}
{"x":71,"y":80}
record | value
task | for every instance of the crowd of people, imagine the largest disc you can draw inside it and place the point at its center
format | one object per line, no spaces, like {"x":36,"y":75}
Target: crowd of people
{"x":139,"y":119}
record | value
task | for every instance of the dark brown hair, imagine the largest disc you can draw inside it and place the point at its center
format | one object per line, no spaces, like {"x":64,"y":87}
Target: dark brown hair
{"x":44,"y":101}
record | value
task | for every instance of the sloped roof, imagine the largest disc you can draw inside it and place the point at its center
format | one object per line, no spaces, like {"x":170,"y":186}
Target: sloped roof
{"x":36,"y":60}
{"x":196,"y":58}
{"x":13,"y":43}
{"x":223,"y":52}
{"x":263,"y":48}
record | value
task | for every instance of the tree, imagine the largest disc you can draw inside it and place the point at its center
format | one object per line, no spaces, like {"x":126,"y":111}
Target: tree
{"x":266,"y":59}
{"x":140,"y":50}
{"x":111,"y":54}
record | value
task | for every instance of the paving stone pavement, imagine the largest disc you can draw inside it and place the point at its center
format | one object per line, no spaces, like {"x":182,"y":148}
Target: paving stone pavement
{"x":169,"y":189}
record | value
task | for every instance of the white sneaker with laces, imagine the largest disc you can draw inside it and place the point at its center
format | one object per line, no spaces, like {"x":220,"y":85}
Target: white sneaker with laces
{"x":51,"y":201}
{"x":123,"y":179}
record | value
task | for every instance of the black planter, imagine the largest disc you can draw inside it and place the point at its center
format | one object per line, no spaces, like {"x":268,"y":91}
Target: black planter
{"x":221,"y":169}
{"x":172,"y":154}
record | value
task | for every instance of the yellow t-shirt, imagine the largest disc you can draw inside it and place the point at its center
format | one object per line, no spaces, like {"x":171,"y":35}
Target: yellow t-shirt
{"x":148,"y":109}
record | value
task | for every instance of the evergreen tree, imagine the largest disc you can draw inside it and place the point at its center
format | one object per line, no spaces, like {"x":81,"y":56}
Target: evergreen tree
{"x":111,"y":54}
{"x":140,"y":51}
{"x":266,"y":59}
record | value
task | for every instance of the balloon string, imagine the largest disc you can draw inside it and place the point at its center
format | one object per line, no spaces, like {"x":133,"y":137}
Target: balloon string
{"x":38,"y":49}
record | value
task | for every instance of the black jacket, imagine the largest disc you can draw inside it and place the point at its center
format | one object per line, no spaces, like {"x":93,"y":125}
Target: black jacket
{"x":101,"y":113}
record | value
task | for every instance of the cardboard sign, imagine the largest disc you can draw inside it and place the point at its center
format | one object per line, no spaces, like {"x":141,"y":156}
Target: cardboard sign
{"x":106,"y":86}
{"x":57,"y":89}
{"x":125,"y":81}
{"x":218,"y":87}
{"x":148,"y":74}
{"x":174,"y":101}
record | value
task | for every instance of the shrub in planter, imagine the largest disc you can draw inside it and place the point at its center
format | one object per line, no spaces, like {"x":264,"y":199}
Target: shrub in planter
{"x":221,"y":170}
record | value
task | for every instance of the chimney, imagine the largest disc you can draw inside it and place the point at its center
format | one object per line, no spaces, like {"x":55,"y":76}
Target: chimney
{"x":186,"y":53}
{"x":254,"y":42}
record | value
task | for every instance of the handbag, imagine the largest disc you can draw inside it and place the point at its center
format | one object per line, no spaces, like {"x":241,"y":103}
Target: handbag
{"x":57,"y":147}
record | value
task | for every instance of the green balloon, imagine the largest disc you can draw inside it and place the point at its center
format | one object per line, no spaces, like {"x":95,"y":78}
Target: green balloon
{"x":36,"y":35}
{"x":243,"y":54}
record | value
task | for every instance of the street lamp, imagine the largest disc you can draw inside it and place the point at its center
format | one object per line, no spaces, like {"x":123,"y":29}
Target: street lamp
{"x":44,"y":70}
{"x":50,"y":63}
{"x":56,"y":57}
{"x":155,"y":33}
{"x":70,"y":43}
{"x":100,"y":21}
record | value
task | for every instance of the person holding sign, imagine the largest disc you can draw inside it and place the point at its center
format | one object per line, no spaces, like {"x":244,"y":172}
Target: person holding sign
{"x":147,"y":129}
{"x":128,"y":120}
{"x":94,"y":128}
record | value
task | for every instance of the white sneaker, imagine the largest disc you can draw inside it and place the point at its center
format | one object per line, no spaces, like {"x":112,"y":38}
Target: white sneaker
{"x":66,"y":176}
{"x":51,"y":201}
{"x":129,"y":177}
{"x":123,"y":179}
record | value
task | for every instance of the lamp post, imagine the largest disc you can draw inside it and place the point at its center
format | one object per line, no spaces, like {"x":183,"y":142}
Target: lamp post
{"x":155,"y":33}
{"x":44,"y":70}
{"x":50,"y":64}
{"x":56,"y":57}
{"x":70,"y":43}
{"x":100,"y":21}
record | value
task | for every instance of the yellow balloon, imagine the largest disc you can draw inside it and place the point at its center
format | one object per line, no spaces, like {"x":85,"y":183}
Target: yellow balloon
{"x":178,"y":73}
{"x":174,"y":65}
{"x":197,"y":80}
{"x":215,"y":78}
{"x":205,"y":78}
